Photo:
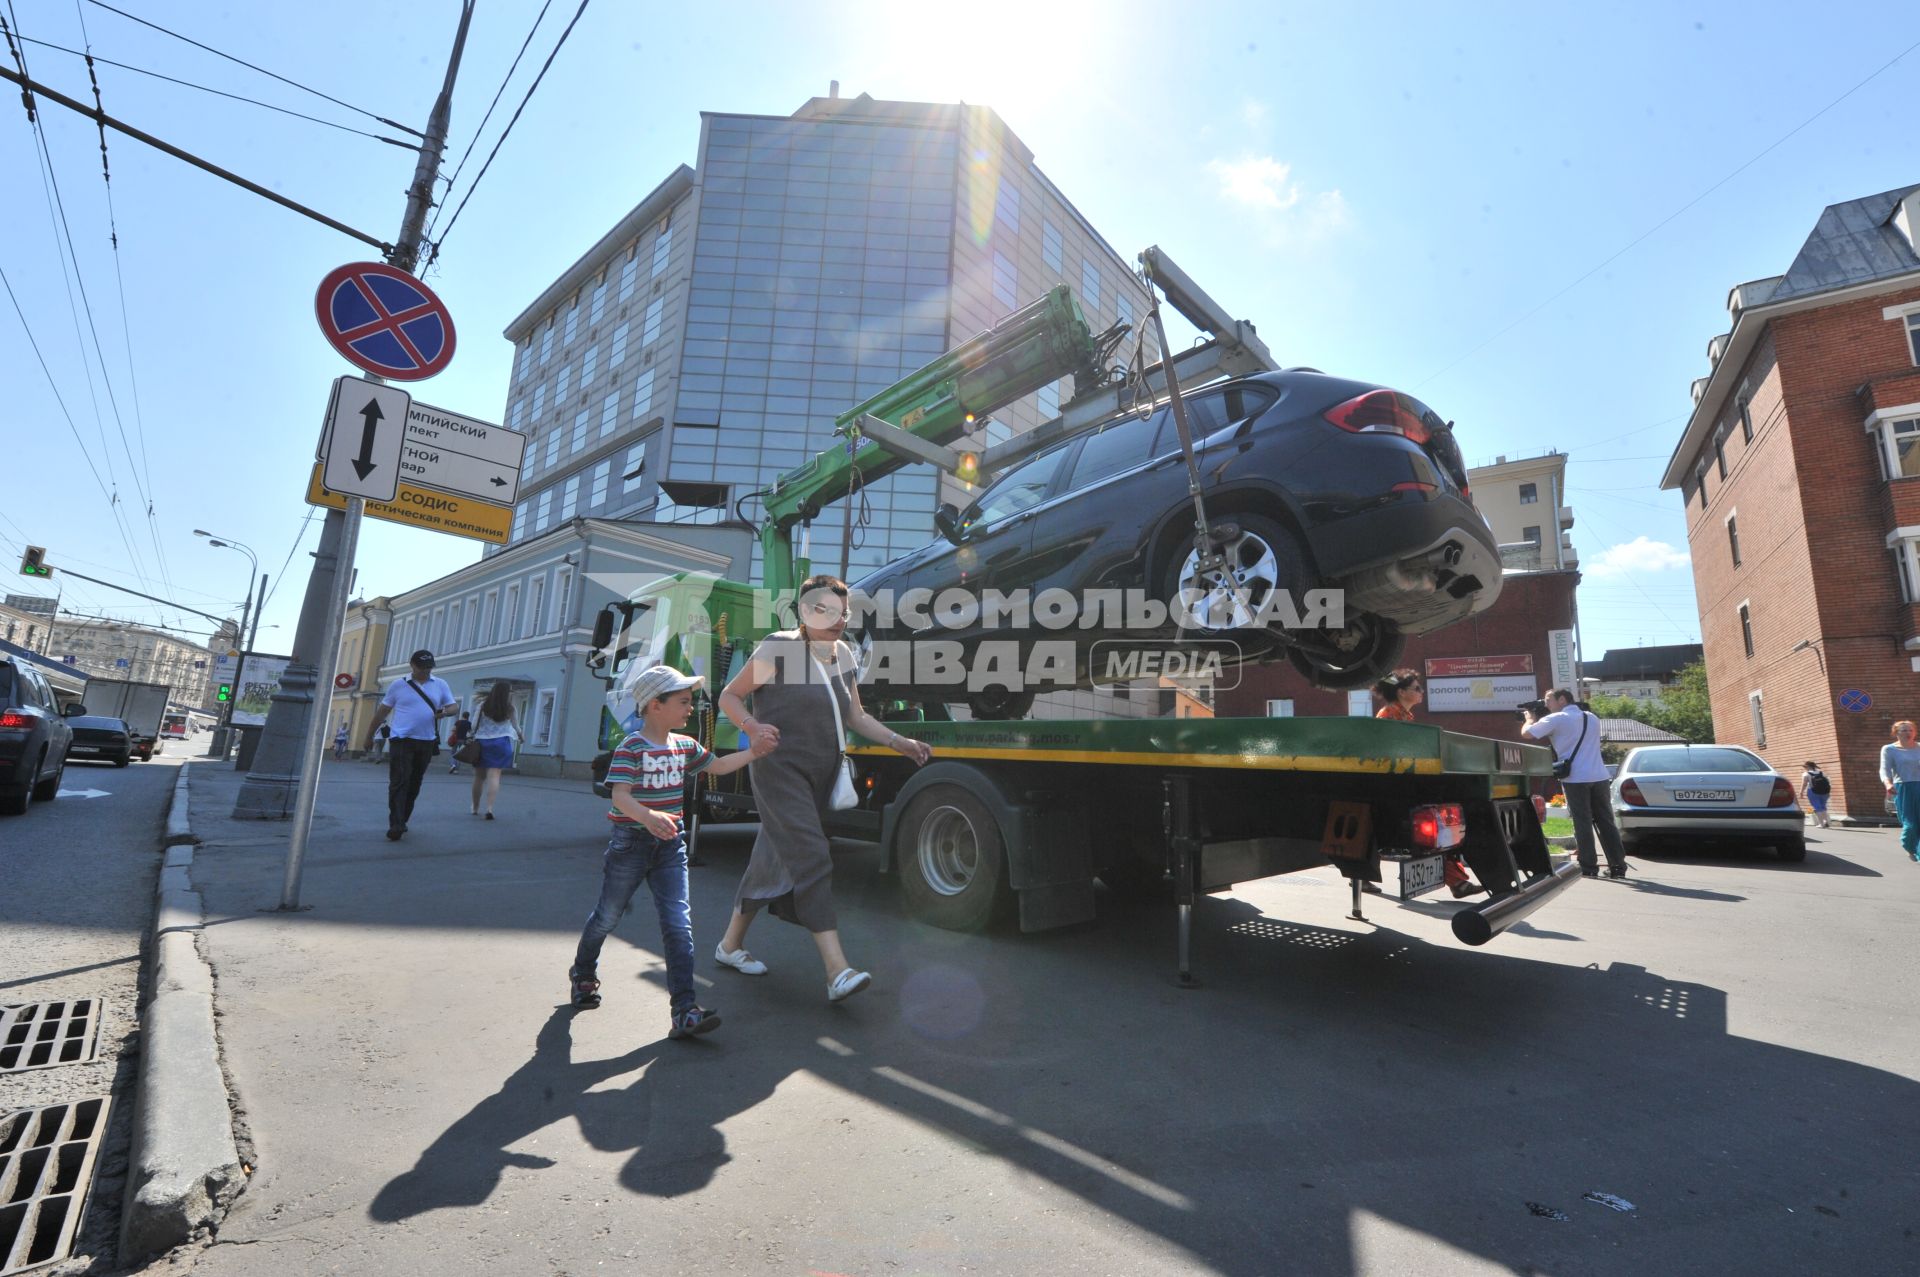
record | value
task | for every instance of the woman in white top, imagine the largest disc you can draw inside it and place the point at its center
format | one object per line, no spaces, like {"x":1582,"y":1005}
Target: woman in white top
{"x":1900,"y":772}
{"x":494,"y":730}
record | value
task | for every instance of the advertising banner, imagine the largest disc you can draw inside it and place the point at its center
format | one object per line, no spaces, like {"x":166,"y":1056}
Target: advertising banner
{"x":1478,"y":666}
{"x":1492,"y":694}
{"x":1560,"y":655}
{"x":252,"y":699}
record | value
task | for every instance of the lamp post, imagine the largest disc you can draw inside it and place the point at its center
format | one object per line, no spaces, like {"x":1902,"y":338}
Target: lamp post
{"x":223,"y":735}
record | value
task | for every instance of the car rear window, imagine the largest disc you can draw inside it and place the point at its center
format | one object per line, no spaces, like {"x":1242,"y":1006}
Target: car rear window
{"x":1698,"y":758}
{"x":6,"y":684}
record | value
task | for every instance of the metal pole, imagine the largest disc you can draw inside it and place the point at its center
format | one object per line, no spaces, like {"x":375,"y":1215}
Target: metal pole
{"x":314,"y":747}
{"x":223,"y":736}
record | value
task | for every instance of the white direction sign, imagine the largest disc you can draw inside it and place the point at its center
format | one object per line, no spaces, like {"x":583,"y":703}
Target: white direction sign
{"x":457,"y":454}
{"x":360,"y":449}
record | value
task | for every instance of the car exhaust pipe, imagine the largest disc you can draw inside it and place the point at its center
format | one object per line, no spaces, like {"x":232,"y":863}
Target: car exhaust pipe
{"x":1483,"y":922}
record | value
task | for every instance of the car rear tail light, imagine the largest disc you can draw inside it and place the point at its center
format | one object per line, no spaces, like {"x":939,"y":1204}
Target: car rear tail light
{"x":1630,"y":794}
{"x":16,"y":720}
{"x":1411,"y":486}
{"x":1380,"y":412}
{"x":1440,"y":826}
{"x":1782,"y":795}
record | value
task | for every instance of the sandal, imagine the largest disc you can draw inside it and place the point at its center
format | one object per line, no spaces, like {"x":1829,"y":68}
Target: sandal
{"x":692,"y":1022}
{"x":584,"y":990}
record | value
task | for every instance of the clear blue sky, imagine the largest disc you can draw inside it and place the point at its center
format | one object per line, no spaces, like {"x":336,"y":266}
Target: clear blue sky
{"x":1435,"y":197}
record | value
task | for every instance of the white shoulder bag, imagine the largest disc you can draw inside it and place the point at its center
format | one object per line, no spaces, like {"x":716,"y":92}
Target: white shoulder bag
{"x":845,"y":796}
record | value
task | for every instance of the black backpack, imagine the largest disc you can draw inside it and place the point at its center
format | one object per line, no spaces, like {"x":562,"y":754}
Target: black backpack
{"x":1819,"y":784}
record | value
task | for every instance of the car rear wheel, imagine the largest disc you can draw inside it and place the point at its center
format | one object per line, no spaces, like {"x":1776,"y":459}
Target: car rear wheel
{"x":49,"y":789}
{"x":1261,"y":557}
{"x":1793,"y":852}
{"x":123,"y":760}
{"x":1364,"y":651}
{"x":952,"y":860}
{"x":999,"y":704}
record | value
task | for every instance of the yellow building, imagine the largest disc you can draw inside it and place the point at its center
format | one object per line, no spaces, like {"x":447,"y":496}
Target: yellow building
{"x":363,"y":645}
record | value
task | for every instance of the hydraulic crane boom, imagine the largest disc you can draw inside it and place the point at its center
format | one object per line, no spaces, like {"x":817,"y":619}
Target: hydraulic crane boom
{"x":1034,"y":346}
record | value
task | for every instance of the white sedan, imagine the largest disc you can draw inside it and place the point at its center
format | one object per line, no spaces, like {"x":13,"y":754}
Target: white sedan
{"x":1693,"y":794}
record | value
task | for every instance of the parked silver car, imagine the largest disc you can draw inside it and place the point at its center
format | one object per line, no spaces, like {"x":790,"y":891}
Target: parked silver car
{"x":1695,"y":795}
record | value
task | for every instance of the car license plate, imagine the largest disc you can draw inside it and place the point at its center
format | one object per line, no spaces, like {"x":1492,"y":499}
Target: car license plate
{"x":1420,"y":875}
{"x":1703,"y":795}
{"x":85,"y":749}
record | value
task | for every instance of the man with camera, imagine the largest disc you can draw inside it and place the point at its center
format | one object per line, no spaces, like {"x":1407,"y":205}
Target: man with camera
{"x":1574,"y":735}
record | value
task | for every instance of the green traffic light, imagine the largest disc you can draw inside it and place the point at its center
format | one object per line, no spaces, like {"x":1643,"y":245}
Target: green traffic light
{"x":225,"y":693}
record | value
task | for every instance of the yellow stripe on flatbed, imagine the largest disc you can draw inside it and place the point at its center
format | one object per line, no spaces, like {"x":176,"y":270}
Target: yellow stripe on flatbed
{"x":1245,"y":762}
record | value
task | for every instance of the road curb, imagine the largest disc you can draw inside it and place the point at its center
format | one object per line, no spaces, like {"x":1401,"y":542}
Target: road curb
{"x":184,"y":1164}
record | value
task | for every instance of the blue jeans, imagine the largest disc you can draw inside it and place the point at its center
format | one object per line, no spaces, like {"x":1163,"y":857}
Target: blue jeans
{"x":632,"y":855}
{"x":1906,"y":802}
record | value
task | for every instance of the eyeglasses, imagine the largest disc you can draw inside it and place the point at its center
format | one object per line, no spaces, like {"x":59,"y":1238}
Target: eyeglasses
{"x":827,"y":611}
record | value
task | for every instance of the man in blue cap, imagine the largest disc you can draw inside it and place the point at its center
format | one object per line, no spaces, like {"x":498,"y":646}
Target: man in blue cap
{"x":417,"y":703}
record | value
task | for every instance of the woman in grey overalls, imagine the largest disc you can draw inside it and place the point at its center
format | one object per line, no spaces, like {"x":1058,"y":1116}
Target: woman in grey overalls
{"x":790,"y":677}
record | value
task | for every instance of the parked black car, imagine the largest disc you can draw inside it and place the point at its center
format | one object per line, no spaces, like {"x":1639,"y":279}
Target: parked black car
{"x":100,"y":739}
{"x":1316,"y":482}
{"x":34,"y":737}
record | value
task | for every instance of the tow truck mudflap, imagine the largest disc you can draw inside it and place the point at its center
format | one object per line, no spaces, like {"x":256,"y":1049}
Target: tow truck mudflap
{"x":1480,"y":923}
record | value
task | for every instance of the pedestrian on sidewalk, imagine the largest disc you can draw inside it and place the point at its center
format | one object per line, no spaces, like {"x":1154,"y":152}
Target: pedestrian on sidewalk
{"x":496,"y":734}
{"x":1403,"y":691}
{"x":802,"y":685}
{"x":1900,"y":772}
{"x":462,"y":728}
{"x":648,"y":776}
{"x":1574,"y":735}
{"x":1815,"y":785}
{"x":416,"y":704}
{"x":340,"y":744}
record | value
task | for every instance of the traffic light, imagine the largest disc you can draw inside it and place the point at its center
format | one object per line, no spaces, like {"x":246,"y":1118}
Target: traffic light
{"x":32,"y":563}
{"x":968,"y":471}
{"x":225,"y":693}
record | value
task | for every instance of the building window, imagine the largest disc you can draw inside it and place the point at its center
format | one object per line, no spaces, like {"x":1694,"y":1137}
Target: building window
{"x":579,"y":431}
{"x":1360,"y":703}
{"x":561,"y":381}
{"x":542,"y":727}
{"x":453,"y":627}
{"x":1904,"y":544}
{"x":520,"y":521}
{"x":599,"y":300}
{"x":662,"y":250}
{"x":1530,"y":534}
{"x":562,"y":597}
{"x":586,"y":365}
{"x":1280,"y":709}
{"x":627,"y":274}
{"x":1050,"y":248}
{"x":650,"y":325}
{"x":569,"y":498}
{"x":1006,"y":207}
{"x":518,"y":415}
{"x":1700,"y":484}
{"x":510,"y":615}
{"x":536,"y":605}
{"x":1746,"y":628}
{"x":1758,"y":711}
{"x":597,"y":497}
{"x":539,"y":400}
{"x":553,"y":447}
{"x":617,"y":353}
{"x":1720,"y":456}
{"x":473,"y":622}
{"x":1047,"y":401}
{"x":542,"y":509}
{"x":609,"y":413}
{"x":1913,"y":335}
{"x":1733,"y":538}
{"x":642,"y":394}
{"x":1089,"y":285}
{"x":633,"y":474}
{"x":1746,"y":419}
{"x":489,"y":610}
{"x":1124,"y":305}
{"x":1006,"y":288}
{"x":573,"y":321}
{"x":546,"y":343}
{"x":1529,"y":494}
{"x":1899,"y":446}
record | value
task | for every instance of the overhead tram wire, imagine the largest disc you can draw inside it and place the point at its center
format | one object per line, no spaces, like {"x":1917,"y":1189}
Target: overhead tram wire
{"x":304,"y":88}
{"x":237,"y":97}
{"x":126,"y":327}
{"x":475,"y":139}
{"x":281,"y":575}
{"x":504,"y":133}
{"x":1757,"y":156}
{"x":65,"y":231}
{"x":53,"y":386}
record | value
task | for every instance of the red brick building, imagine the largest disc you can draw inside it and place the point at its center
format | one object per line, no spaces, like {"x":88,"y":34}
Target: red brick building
{"x":1800,"y":468}
{"x":1485,"y":665}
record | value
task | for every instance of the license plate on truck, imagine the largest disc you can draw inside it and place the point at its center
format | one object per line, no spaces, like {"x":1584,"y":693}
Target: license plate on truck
{"x":1421,"y":874}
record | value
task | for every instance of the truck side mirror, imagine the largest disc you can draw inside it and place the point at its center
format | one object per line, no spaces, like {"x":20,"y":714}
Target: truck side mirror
{"x":602,"y":639}
{"x":947,"y":519}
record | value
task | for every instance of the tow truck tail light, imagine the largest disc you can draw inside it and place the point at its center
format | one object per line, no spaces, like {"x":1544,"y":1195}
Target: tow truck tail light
{"x":1630,"y":794}
{"x":1439,"y":826}
{"x":1782,"y":795}
{"x":1380,"y":412}
{"x":16,"y":720}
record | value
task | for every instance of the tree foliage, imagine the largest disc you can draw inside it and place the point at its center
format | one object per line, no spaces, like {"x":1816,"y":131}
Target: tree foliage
{"x":1685,"y":709}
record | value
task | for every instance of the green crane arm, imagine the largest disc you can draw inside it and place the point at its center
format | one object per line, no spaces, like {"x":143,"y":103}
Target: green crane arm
{"x":1038,"y":344}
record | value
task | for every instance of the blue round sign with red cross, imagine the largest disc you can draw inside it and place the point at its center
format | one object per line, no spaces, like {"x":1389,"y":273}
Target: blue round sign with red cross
{"x":384,"y":320}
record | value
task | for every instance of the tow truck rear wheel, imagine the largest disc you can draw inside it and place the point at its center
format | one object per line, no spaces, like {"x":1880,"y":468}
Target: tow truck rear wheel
{"x":952,"y":860}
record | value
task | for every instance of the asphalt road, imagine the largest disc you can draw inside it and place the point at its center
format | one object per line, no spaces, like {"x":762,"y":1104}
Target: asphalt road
{"x":76,"y":900}
{"x":1710,"y":1068}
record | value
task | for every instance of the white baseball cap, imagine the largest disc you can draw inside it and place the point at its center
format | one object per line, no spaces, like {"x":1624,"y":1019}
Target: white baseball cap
{"x":661,"y":680}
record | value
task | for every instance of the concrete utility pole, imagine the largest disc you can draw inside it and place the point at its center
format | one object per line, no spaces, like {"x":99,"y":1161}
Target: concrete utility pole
{"x":287,"y":763}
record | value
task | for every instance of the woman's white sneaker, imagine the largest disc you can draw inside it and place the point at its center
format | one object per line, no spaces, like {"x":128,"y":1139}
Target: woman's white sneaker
{"x":740,"y":960}
{"x":846,"y":984}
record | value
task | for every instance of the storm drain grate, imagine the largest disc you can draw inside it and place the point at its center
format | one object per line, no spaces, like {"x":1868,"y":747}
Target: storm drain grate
{"x":40,"y":1035}
{"x":46,"y":1163}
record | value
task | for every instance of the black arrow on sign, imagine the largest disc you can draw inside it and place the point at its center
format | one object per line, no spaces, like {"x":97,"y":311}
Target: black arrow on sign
{"x":497,"y":482}
{"x":364,"y":464}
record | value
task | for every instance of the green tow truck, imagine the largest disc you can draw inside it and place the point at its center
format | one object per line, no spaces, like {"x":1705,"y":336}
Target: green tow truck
{"x":1019,"y":818}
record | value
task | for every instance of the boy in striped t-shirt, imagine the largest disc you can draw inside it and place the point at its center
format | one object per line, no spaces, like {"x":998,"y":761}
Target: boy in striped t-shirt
{"x":648,"y":775}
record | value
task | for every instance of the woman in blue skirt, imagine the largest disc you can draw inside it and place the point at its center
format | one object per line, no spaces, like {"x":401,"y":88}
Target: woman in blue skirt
{"x":495,"y":732}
